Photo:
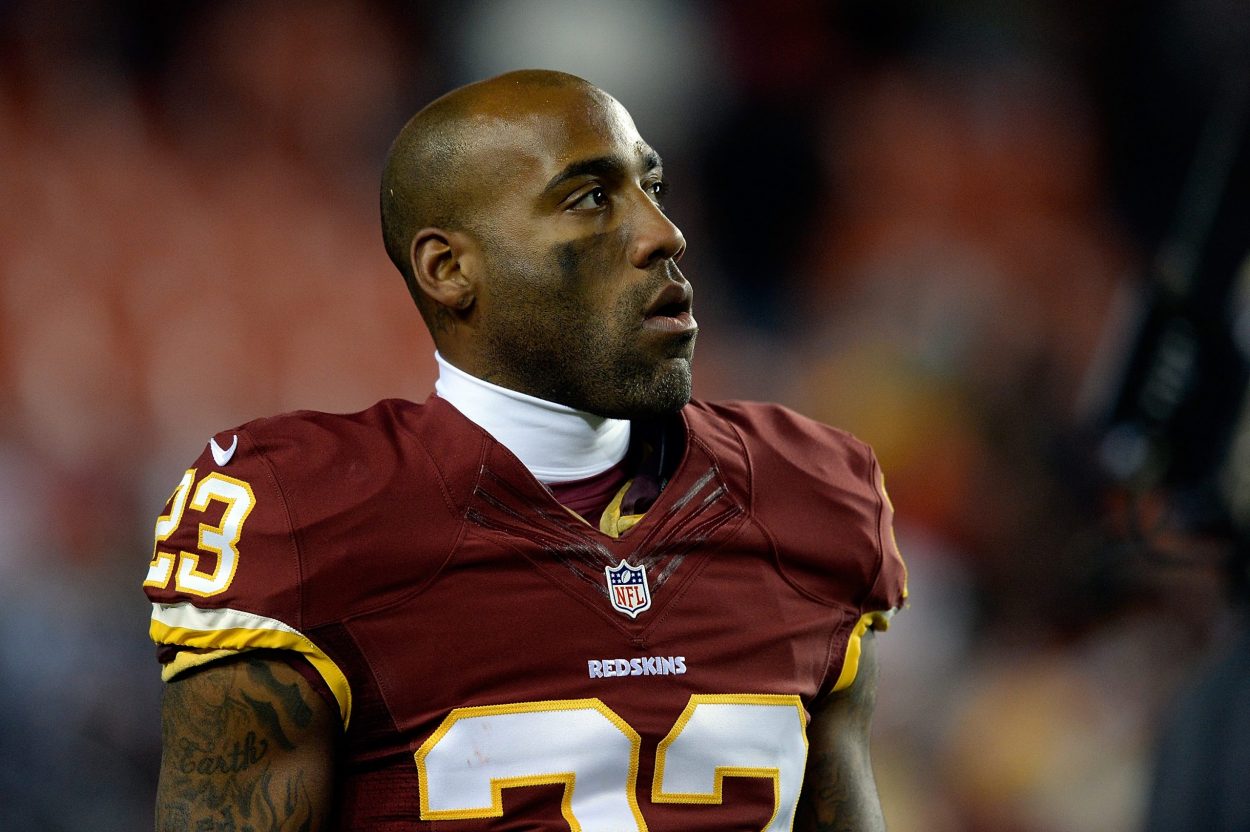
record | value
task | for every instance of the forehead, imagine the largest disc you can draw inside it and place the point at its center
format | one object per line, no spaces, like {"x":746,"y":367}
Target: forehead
{"x":565,"y":127}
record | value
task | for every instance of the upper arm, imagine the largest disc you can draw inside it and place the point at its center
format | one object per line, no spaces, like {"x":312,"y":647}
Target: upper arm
{"x":839,"y":792}
{"x":248,"y":743}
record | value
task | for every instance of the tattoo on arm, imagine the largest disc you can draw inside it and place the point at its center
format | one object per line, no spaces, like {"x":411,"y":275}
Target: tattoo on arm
{"x":844,"y":799}
{"x":840,"y":793}
{"x":247,"y":746}
{"x":288,"y":696}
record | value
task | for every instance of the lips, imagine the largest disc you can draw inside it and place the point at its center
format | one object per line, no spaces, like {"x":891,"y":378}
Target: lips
{"x":669,"y":311}
{"x":681,"y":322}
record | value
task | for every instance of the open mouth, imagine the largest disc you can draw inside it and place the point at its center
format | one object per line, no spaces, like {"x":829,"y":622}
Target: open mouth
{"x":670,"y":310}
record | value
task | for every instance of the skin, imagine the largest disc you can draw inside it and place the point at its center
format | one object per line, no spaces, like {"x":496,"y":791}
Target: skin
{"x":535,"y":255}
{"x":839,"y":792}
{"x":248,"y":745}
{"x":570,"y":247}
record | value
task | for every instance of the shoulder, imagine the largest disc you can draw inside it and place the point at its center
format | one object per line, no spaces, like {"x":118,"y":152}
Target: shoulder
{"x":310,"y":438}
{"x":286,"y":525}
{"x":773,"y":424}
{"x":319,"y":459}
{"x":776,"y":436}
{"x":819,"y":494}
{"x":364,"y":481}
{"x":289,"y":501}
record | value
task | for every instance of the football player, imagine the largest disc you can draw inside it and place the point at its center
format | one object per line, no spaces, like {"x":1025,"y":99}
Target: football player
{"x":558,"y":594}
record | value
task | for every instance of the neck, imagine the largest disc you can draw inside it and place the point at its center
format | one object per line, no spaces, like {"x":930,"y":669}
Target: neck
{"x":555,"y":442}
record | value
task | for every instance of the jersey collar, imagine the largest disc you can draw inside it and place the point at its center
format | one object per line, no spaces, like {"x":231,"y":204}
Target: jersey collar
{"x":555,"y":442}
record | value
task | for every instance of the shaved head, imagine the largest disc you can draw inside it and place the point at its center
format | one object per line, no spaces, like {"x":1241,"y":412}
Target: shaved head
{"x":438,"y":171}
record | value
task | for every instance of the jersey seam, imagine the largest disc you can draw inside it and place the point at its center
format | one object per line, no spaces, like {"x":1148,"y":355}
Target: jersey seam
{"x":768,"y":535}
{"x":759,"y":524}
{"x":443,"y":490}
{"x":746,"y":455}
{"x":290,"y":521}
{"x":451,"y":549}
{"x":345,"y":625}
{"x":873,"y":470}
{"x":823,"y":690}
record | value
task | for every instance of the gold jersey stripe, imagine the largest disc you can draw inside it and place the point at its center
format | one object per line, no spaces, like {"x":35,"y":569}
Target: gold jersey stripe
{"x":235,"y":631}
{"x":189,"y":657}
{"x":850,"y":664}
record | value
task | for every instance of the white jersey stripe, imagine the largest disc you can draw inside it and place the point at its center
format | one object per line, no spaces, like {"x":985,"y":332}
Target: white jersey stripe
{"x":187,"y":625}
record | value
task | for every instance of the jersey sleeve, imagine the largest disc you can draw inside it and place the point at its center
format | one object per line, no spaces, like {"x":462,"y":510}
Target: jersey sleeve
{"x":225,"y":574}
{"x":821,"y":494}
{"x":888,"y":592}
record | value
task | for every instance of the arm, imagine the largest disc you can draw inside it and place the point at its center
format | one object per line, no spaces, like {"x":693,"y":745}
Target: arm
{"x":247,"y":744}
{"x":839,"y":793}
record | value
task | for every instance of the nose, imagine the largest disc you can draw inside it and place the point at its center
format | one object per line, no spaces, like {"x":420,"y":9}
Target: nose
{"x":655,"y":236}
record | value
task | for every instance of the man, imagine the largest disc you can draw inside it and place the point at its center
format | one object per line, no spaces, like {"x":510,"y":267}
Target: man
{"x":556,"y":595}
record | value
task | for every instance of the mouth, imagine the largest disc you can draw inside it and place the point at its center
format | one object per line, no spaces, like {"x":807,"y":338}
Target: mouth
{"x":669,"y":311}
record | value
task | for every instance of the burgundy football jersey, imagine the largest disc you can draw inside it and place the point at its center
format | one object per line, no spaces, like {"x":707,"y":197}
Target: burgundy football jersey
{"x":498,"y":663}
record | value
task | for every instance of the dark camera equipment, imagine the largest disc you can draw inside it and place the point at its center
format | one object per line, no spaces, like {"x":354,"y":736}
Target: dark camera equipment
{"x":1179,"y":421}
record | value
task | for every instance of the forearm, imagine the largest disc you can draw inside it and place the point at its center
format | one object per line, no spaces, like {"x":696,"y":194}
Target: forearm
{"x":840,"y":796}
{"x":246,"y":744}
{"x":839,"y":790}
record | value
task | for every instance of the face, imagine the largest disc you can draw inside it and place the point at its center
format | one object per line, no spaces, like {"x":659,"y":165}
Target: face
{"x":582,"y":302}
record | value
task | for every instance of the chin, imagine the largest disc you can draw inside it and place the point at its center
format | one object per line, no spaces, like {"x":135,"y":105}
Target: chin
{"x":667,"y":391}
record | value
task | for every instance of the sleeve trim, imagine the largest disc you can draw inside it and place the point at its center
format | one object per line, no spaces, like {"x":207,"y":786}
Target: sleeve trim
{"x":227,"y":629}
{"x":190,"y":657}
{"x":850,"y":661}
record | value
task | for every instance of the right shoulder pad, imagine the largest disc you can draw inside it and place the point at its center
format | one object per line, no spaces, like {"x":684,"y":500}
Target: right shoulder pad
{"x":226,"y":570}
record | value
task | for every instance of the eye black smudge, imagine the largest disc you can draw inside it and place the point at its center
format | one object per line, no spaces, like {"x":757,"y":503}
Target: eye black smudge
{"x":589,"y":257}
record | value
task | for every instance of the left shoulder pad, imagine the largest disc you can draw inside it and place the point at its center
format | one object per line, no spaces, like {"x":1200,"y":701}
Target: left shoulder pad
{"x":820,"y":494}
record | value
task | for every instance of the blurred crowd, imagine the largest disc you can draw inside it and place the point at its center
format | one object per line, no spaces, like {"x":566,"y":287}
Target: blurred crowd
{"x":918,"y":222}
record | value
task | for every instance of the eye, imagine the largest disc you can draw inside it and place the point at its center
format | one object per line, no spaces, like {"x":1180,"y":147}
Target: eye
{"x":594,"y":198}
{"x":657,"y":190}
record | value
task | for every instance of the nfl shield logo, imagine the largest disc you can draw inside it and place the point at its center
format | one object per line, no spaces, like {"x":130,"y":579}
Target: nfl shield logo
{"x":627,"y":588}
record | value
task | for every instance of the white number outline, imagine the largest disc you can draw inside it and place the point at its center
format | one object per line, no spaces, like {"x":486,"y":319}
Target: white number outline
{"x":716,"y":796}
{"x":162,"y":566}
{"x":658,"y":795}
{"x":498,"y":784}
{"x":221,"y":540}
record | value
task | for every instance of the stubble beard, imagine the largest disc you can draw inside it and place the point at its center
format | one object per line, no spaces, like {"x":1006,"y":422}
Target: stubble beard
{"x":555,"y":350}
{"x":640,"y":391}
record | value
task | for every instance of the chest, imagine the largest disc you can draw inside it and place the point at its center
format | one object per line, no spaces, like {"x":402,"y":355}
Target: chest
{"x":519,"y":691}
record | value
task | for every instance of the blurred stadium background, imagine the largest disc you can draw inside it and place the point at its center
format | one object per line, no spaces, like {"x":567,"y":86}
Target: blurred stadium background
{"x":920,"y":222}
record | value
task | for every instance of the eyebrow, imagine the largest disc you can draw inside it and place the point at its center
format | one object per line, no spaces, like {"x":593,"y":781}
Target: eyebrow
{"x":606,"y":167}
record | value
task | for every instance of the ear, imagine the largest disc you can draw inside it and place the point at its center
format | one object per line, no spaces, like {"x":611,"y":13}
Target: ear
{"x":439,"y":258}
